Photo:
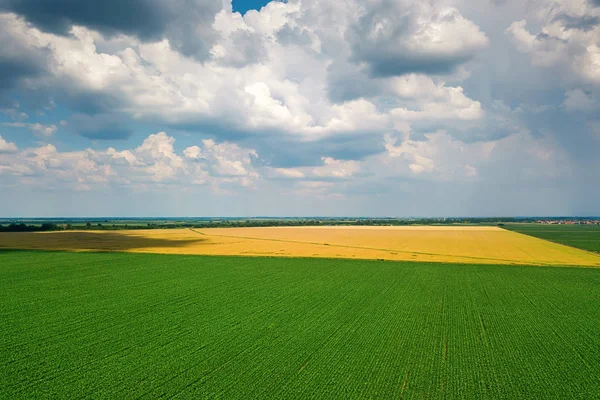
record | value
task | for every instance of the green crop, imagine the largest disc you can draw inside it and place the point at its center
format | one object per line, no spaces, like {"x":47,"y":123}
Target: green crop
{"x":111,"y":325}
{"x":586,"y":237}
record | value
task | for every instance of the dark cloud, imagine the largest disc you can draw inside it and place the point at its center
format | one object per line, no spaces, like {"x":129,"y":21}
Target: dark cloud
{"x":18,"y":62}
{"x":584,"y":23}
{"x":190,"y":28}
{"x":282,"y":152}
{"x":278,"y":148}
{"x":144,"y":18}
{"x":187,"y":23}
{"x":384,"y":64}
{"x":100,"y":127}
{"x":347,"y":82}
{"x":92,"y":102}
{"x":12,"y":71}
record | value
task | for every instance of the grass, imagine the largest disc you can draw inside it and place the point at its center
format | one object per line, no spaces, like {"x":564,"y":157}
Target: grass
{"x":114,"y":325}
{"x":586,"y":237}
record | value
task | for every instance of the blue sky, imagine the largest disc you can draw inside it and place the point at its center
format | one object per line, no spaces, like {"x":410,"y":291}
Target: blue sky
{"x":242,"y":6}
{"x":313,"y":107}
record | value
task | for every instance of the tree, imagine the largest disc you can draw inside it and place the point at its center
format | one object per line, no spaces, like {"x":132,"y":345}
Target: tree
{"x":47,"y":226}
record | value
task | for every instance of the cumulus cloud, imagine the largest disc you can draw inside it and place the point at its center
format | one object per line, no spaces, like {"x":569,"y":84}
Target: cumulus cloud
{"x":37,"y":129}
{"x":47,"y":167}
{"x":442,"y":158}
{"x":568,"y":40}
{"x":339,"y":169}
{"x":43,"y":130}
{"x":288,"y":173}
{"x":193,"y":152}
{"x":154,"y":162}
{"x":228,"y":159}
{"x":187,"y":23}
{"x":7,"y":147}
{"x":579,"y":100}
{"x":249,"y":86}
{"x":145,"y":17}
{"x":398,"y":37}
{"x":322,"y":98}
{"x":452,"y":105}
{"x":19,"y":60}
{"x":330,"y":169}
{"x":439,"y":158}
{"x":158,"y":157}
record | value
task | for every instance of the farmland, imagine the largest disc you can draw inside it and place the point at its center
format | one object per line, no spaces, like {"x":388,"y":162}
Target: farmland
{"x":146,"y":325}
{"x":586,"y":237}
{"x":454,"y":244}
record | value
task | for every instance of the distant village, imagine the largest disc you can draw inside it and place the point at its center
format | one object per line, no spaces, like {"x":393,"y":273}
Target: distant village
{"x":594,"y":221}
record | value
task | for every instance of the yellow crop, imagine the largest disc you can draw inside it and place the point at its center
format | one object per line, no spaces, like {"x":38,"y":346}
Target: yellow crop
{"x":489,"y":245}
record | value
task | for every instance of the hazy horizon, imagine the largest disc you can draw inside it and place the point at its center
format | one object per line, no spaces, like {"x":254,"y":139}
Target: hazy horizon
{"x":157,"y":217}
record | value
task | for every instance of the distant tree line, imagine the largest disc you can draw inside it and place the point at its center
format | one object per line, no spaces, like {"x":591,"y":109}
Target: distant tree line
{"x":231,"y":223}
{"x":14,"y":227}
{"x":241,"y":223}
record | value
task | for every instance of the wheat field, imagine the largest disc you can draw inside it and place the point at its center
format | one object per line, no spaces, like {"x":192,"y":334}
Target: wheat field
{"x":473,"y":245}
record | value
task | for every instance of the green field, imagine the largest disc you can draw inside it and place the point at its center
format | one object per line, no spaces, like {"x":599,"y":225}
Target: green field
{"x":586,"y":237}
{"x":136,"y":325}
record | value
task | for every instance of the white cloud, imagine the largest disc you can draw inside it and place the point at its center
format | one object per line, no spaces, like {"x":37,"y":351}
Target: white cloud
{"x":319,"y":189}
{"x":43,"y":130}
{"x":14,"y":113}
{"x":193,"y":152}
{"x":453,"y":105}
{"x":290,"y":173}
{"x":568,"y":39}
{"x":154,"y":162}
{"x":126,"y":156}
{"x":398,"y":37}
{"x":256,"y":82}
{"x":440,"y":157}
{"x":333,"y":168}
{"x":157,"y":155}
{"x":7,"y":147}
{"x":37,"y":129}
{"x":578,"y":100}
{"x":312,"y":86}
{"x":228,"y":159}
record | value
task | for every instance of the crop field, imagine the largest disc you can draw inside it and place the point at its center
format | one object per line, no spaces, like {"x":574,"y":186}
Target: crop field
{"x":475,"y":245}
{"x":114,"y":325}
{"x":586,"y":237}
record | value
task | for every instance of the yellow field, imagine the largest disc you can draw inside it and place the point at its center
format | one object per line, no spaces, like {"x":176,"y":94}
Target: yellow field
{"x":489,"y":245}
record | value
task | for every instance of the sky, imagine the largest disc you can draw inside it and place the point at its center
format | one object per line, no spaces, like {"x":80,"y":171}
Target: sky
{"x":300,"y":108}
{"x":242,"y":6}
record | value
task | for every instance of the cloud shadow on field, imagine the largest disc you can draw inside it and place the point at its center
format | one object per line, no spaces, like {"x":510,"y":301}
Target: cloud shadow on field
{"x":89,"y":241}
